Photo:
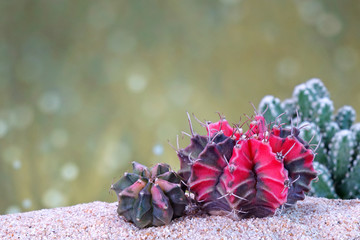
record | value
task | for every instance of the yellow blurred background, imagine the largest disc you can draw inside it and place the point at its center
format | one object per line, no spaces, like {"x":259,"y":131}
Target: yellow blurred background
{"x":87,"y":87}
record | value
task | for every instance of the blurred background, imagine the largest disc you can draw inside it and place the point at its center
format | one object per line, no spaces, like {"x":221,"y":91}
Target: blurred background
{"x":87,"y":87}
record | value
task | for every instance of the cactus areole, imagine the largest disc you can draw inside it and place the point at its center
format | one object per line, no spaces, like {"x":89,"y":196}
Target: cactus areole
{"x":249,"y":174}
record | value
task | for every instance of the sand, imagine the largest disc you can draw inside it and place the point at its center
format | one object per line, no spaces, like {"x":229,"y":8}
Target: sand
{"x":313,"y":218}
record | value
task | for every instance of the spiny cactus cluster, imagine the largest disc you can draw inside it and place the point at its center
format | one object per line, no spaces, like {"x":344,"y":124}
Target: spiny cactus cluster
{"x":338,"y":154}
{"x":245,"y":174}
{"x":227,"y":172}
{"x":150,"y":197}
{"x":257,"y":172}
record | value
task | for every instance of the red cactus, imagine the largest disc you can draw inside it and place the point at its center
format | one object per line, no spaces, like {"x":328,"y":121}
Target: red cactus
{"x":224,"y":127}
{"x":257,"y":128}
{"x":254,"y":179}
{"x":298,"y":160}
{"x":250,"y":174}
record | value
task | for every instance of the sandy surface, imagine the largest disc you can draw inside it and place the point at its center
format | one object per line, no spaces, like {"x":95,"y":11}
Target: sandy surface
{"x":314,"y":218}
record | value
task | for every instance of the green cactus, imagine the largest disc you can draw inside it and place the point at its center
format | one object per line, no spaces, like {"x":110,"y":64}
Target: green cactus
{"x":289,"y":106}
{"x":323,"y":111}
{"x":317,"y":88}
{"x":304,"y":99}
{"x":271,"y":107}
{"x":324,"y":185}
{"x":311,"y":133}
{"x":328,"y":133}
{"x":338,"y":154}
{"x":345,"y":117}
{"x":351,"y":181}
{"x":356,"y":129}
{"x":150,"y":197}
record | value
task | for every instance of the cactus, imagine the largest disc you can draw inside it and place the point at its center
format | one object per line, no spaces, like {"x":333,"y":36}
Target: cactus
{"x":335,"y":137}
{"x":150,"y":197}
{"x":340,"y":153}
{"x":256,"y":172}
{"x":274,"y":107}
{"x":345,"y":117}
{"x":351,"y":181}
{"x":356,"y":129}
{"x":312,"y":134}
{"x":323,"y":186}
{"x":246,"y":174}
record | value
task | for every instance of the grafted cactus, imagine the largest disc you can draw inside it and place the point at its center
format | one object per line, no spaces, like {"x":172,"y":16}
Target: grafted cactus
{"x":244,"y":174}
{"x":335,"y":137}
{"x":150,"y":197}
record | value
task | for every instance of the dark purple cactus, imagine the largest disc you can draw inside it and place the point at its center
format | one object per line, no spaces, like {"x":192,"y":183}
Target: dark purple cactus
{"x":150,"y":197}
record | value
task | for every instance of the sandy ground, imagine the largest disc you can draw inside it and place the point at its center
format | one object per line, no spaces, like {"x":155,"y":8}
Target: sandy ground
{"x":314,"y":218}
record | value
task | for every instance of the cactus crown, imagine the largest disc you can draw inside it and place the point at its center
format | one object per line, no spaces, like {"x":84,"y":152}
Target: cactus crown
{"x":338,"y":137}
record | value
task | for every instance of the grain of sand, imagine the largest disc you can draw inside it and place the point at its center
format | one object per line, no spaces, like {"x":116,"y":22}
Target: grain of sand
{"x":313,"y":218}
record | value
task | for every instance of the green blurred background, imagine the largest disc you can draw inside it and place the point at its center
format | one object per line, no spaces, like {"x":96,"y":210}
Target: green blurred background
{"x":89,"y":86}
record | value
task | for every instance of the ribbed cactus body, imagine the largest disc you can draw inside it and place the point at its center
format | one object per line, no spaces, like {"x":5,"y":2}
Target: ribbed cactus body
{"x":323,"y":110}
{"x":345,"y":117}
{"x":150,"y":197}
{"x":312,"y":134}
{"x":342,"y":149}
{"x":248,"y":174}
{"x":256,"y":175}
{"x":330,"y":130}
{"x":272,"y":106}
{"x":356,"y":130}
{"x":323,"y":186}
{"x":334,"y":136}
{"x":298,"y":161}
{"x":190,"y":154}
{"x":350,"y":184}
{"x":305,"y":98}
{"x":317,"y":88}
{"x":290,"y":108}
